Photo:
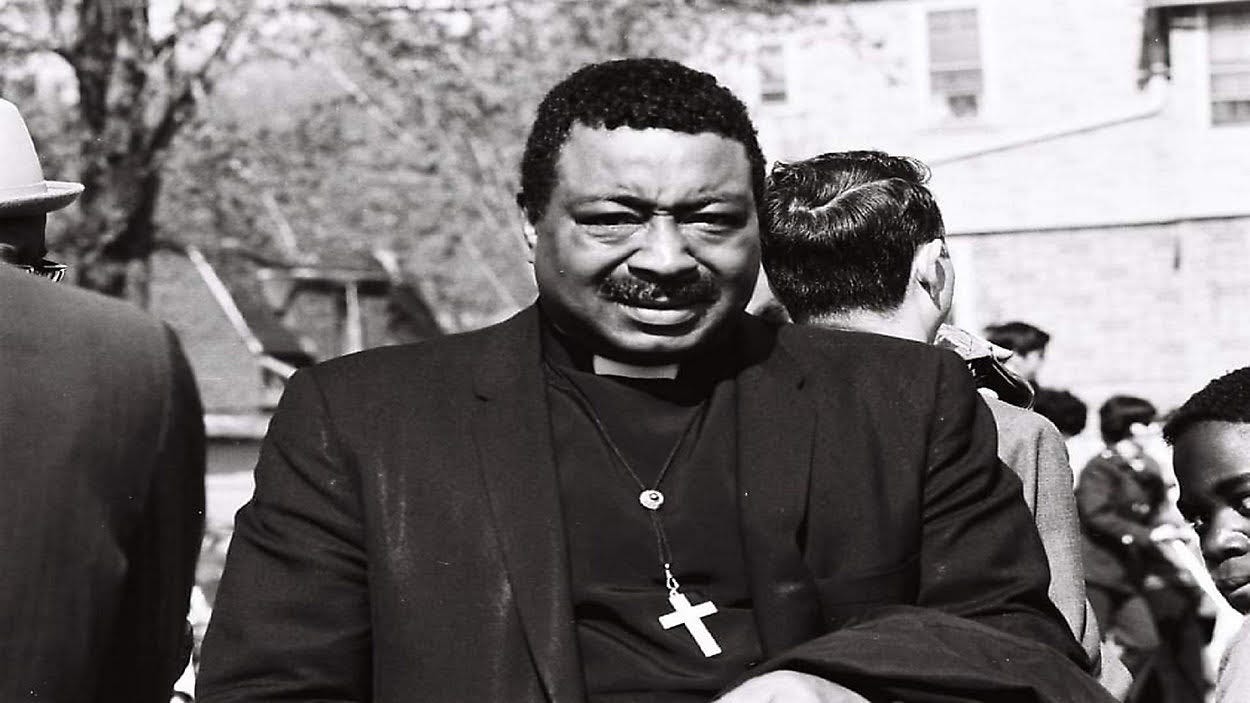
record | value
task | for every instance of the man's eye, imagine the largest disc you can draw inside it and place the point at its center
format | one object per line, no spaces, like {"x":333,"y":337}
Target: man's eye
{"x":1242,"y":505}
{"x":1194,"y":516}
{"x":610,"y":219}
{"x":719,"y":220}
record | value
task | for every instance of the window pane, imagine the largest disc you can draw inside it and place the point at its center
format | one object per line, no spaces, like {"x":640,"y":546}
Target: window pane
{"x":772,"y":71}
{"x":1230,"y":112}
{"x":953,"y":38}
{"x":1229,"y":54}
{"x":1235,"y":84}
{"x":1230,"y":36}
{"x":956,"y":81}
{"x":962,"y":105}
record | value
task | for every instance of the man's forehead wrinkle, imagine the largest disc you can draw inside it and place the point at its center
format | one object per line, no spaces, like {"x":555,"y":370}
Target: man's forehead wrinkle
{"x":629,"y":197}
{"x":590,"y":167}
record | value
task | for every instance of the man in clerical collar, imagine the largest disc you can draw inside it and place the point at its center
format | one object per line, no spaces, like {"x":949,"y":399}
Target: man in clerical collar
{"x":632,"y":490}
{"x":1211,"y":437}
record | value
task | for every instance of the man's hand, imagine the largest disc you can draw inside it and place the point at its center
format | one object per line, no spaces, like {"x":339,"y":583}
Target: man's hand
{"x":1232,"y":577}
{"x":790,"y":687}
{"x":1168,"y":532}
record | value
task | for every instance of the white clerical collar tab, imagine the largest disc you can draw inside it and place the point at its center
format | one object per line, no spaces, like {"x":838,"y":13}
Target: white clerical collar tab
{"x":611,"y":367}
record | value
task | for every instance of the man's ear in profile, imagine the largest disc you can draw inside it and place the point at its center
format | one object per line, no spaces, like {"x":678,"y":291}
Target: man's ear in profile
{"x":930,"y":270}
{"x":528,"y":231}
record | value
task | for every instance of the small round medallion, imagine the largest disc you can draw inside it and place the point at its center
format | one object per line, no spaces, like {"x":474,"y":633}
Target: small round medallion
{"x":651,"y":499}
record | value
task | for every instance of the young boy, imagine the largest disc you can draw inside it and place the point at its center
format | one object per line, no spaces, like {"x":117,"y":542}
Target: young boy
{"x":1211,"y":437}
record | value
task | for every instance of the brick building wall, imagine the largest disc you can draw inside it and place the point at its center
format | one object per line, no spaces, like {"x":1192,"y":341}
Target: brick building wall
{"x":858,"y":77}
{"x":1107,"y":210}
{"x":1152,"y":310}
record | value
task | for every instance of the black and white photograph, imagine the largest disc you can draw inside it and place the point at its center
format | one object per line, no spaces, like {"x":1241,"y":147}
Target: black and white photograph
{"x":625,"y":351}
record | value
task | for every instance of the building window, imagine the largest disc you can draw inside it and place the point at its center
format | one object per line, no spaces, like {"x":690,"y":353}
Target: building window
{"x":1229,"y":44}
{"x":955,"y":63}
{"x":772,"y":67}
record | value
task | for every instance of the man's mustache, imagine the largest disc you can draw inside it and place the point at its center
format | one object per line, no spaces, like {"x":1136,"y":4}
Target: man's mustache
{"x":631,"y":290}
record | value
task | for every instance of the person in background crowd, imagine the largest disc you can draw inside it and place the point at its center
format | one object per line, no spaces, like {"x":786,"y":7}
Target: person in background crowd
{"x":857,"y":244}
{"x":101,"y":469}
{"x":633,"y":490}
{"x":1210,"y":434}
{"x":1029,"y":344}
{"x":1143,"y":601}
{"x":26,"y":199}
{"x":1068,"y":413}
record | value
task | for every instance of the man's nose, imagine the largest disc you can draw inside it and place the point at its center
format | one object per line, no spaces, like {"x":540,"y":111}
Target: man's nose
{"x":1227,"y":535}
{"x":664,"y":252}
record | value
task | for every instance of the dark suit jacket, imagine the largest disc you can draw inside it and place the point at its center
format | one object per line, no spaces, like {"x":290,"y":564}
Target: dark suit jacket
{"x":405,"y":539}
{"x":101,"y":497}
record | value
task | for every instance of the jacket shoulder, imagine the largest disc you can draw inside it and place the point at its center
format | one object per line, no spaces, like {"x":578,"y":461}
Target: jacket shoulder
{"x":450,"y":358}
{"x":59,"y":318}
{"x":1021,"y":422}
{"x":865,"y":353}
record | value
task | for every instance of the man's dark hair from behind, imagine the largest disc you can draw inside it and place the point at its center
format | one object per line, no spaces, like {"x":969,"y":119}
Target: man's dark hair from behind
{"x":1019,"y":337}
{"x":844,"y":229}
{"x":644,"y":94}
{"x":1117,"y":416}
{"x":1067,"y":412}
{"x":1226,"y":399}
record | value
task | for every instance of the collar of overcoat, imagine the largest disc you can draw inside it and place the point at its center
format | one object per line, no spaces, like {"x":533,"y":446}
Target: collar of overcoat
{"x":776,"y":424}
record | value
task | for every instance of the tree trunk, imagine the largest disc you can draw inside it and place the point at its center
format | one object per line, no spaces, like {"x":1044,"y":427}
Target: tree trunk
{"x":120,"y":169}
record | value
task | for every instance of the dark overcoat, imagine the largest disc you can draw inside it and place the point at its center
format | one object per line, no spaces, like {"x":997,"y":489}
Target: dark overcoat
{"x":101,"y":497}
{"x":1118,"y":505}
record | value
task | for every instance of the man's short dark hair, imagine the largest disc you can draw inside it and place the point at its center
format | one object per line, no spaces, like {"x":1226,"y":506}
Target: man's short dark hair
{"x":1117,"y":416}
{"x":1068,"y":412}
{"x":843,"y":231}
{"x":1019,"y":337}
{"x":1226,"y":399}
{"x":639,"y":94}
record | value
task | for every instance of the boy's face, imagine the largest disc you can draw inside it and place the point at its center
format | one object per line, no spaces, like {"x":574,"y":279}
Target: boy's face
{"x":1212,"y":461}
{"x":1028,"y":364}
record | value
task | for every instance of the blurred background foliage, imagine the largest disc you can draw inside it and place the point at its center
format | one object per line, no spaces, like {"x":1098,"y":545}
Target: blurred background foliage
{"x":319,"y":131}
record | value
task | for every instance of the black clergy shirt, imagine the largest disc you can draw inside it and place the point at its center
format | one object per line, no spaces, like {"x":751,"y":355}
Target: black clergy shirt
{"x":617,"y":576}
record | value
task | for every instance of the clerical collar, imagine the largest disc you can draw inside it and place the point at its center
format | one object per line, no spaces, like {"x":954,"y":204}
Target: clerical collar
{"x":604,"y":366}
{"x":698,"y":372}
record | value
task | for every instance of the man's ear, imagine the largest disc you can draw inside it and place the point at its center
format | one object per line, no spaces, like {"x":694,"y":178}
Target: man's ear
{"x":531,"y":237}
{"x":928,"y":268}
{"x":527,"y":229}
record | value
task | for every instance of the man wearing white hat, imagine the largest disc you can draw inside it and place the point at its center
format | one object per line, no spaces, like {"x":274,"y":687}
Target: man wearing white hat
{"x":26,"y":198}
{"x":102,"y":468}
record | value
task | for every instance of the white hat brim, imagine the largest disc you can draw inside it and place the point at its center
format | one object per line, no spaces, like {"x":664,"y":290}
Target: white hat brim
{"x":56,"y":195}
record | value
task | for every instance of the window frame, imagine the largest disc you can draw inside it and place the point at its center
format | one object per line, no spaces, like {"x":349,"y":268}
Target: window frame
{"x":1217,"y":68}
{"x":940,"y":97}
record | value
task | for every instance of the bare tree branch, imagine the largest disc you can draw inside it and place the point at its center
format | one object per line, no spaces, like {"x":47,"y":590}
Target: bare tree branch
{"x":18,"y":43}
{"x":181,"y":105}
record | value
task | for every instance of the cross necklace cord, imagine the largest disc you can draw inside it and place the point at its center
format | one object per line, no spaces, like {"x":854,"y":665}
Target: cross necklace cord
{"x":691,"y":616}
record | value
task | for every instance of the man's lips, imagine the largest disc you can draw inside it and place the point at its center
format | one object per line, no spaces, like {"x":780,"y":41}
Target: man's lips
{"x":661,"y":313}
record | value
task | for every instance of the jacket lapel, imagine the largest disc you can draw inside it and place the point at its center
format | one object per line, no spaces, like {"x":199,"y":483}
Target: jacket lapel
{"x":518,"y":466}
{"x":776,"y":426}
